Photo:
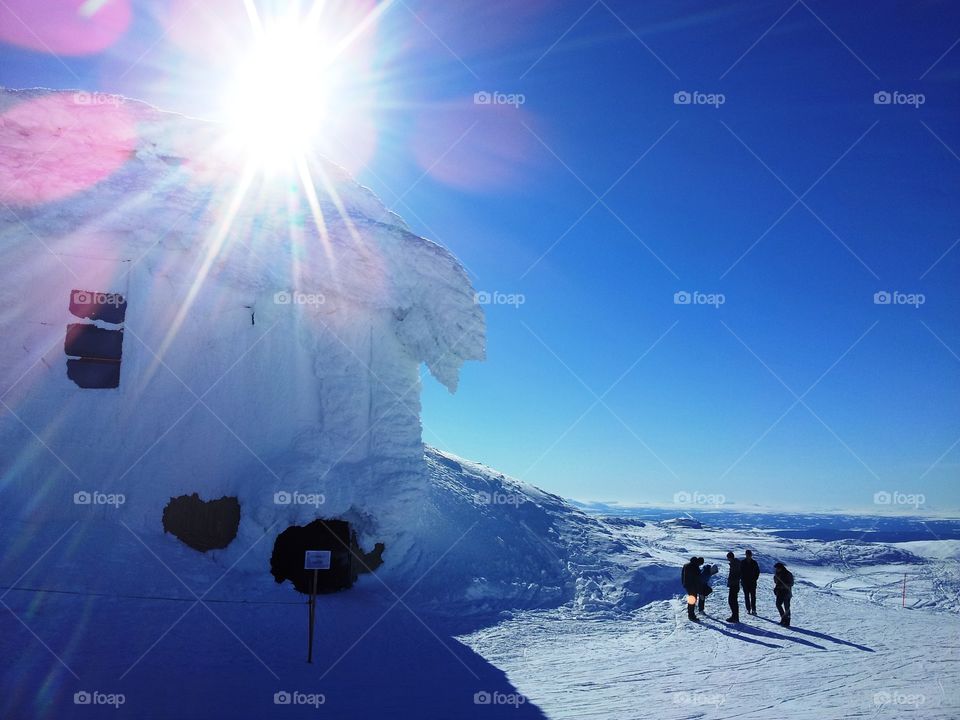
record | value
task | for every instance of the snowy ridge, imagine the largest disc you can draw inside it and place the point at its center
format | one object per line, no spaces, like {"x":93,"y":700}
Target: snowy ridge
{"x":537,"y":550}
{"x":522,"y":547}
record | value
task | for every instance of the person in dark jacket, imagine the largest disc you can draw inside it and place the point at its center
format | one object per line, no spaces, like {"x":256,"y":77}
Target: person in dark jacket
{"x":733,"y":587}
{"x":783,"y":590}
{"x":706,"y":572}
{"x":690,"y":579}
{"x":749,"y":574}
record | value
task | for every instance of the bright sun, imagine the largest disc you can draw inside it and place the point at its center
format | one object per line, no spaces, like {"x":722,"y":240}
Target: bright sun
{"x":283,"y":93}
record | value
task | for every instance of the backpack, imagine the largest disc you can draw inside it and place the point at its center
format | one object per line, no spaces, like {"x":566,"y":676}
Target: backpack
{"x":784,"y":579}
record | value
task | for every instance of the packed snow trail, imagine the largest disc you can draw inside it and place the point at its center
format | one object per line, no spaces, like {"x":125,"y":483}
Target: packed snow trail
{"x":841,"y":659}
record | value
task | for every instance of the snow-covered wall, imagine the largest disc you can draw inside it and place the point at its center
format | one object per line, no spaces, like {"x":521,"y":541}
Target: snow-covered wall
{"x":272,"y":337}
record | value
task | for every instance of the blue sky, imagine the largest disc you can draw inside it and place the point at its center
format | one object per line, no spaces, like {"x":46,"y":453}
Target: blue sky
{"x":796,"y":200}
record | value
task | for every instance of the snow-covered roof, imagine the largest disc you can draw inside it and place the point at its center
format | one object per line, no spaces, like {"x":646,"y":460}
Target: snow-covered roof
{"x":87,"y":174}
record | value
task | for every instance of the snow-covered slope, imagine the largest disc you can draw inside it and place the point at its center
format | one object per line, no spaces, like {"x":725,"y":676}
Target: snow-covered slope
{"x":536,"y":549}
{"x":840,"y":660}
{"x":853,"y":651}
{"x":525,"y":601}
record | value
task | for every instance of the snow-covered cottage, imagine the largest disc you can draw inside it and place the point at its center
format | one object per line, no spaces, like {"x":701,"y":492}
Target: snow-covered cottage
{"x":175,"y":323}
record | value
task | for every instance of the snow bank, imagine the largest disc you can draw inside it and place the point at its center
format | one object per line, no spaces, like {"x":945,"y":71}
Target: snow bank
{"x":509,"y":545}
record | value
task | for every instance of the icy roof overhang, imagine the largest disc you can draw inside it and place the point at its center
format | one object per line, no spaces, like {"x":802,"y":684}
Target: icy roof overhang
{"x":107,"y":175}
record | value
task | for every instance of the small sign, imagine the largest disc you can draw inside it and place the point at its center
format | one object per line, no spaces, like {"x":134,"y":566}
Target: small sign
{"x":317,"y":560}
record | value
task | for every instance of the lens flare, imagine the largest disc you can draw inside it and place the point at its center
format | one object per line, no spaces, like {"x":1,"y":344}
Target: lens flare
{"x":282,"y":93}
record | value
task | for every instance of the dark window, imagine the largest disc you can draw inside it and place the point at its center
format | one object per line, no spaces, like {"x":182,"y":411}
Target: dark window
{"x":202,"y":524}
{"x":89,"y":341}
{"x":108,"y":307}
{"x":94,"y":352}
{"x":94,"y":373}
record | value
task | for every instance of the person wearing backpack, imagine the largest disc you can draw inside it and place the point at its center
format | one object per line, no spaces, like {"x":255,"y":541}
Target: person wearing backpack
{"x":783,"y":590}
{"x":749,"y":574}
{"x":733,"y":587}
{"x":706,"y":572}
{"x":690,"y":579}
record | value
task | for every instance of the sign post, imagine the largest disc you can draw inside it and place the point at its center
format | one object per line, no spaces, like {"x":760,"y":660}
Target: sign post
{"x":314,"y":560}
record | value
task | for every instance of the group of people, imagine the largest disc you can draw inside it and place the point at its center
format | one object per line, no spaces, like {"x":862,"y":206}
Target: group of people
{"x":743,"y":573}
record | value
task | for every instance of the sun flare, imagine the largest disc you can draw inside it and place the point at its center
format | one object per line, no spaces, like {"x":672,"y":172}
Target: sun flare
{"x":283,"y":93}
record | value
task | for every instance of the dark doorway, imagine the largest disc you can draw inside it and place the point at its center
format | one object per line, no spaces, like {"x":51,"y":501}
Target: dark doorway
{"x":289,"y":550}
{"x":347,"y":558}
